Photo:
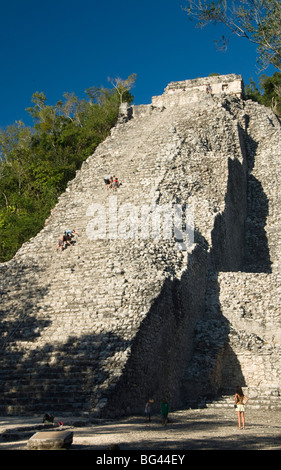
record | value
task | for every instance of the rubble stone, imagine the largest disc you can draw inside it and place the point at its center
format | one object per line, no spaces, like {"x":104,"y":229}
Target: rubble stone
{"x":50,"y":440}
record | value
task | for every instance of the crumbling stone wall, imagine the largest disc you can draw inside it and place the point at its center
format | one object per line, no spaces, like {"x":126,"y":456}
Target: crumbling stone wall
{"x":188,"y":91}
{"x":238,"y":340}
{"x":120,"y":317}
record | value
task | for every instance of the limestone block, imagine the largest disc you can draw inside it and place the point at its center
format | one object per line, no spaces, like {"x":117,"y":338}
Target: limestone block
{"x":50,"y":440}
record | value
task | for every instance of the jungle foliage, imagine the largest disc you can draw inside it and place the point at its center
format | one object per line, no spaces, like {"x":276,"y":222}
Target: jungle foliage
{"x":268,"y":92}
{"x":36,"y":162}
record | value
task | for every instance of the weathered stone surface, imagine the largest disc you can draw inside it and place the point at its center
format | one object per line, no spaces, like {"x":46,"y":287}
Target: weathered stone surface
{"x":50,"y":440}
{"x":117,"y":318}
{"x":187,"y":91}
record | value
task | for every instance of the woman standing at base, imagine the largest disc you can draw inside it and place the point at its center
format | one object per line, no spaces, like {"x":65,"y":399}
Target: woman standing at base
{"x":240,"y":402}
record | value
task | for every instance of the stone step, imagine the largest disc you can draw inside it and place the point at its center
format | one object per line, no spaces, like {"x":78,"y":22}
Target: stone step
{"x":78,"y":310}
{"x":263,"y":403}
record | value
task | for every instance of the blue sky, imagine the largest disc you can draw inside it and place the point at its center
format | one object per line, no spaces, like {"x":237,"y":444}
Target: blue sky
{"x":59,"y":46}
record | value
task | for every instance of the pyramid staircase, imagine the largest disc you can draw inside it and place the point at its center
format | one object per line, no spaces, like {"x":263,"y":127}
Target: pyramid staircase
{"x":69,"y":318}
{"x":95,"y":326}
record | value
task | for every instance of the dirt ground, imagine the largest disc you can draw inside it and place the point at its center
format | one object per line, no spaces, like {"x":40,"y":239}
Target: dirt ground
{"x":199,"y":429}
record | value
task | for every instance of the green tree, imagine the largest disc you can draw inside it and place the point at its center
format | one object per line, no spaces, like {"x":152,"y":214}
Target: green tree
{"x":268,"y":93}
{"x":123,"y":86}
{"x":259,"y":21}
{"x":15,"y":143}
{"x":271,"y":87}
{"x":252,"y":92}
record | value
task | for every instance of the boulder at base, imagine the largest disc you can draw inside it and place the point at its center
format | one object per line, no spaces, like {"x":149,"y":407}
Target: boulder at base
{"x":50,"y":440}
